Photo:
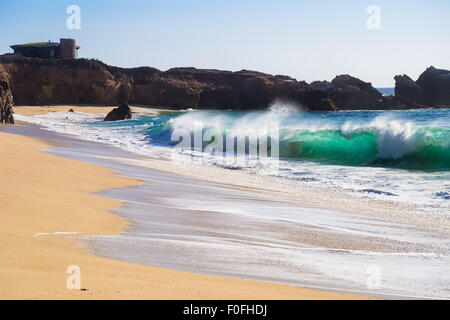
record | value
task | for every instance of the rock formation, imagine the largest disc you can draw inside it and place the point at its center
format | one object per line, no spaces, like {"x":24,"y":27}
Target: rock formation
{"x":45,"y":82}
{"x":436,"y":86}
{"x":6,"y":100}
{"x":432,"y":89}
{"x":123,"y":112}
{"x":349,"y":93}
{"x":407,"y":89}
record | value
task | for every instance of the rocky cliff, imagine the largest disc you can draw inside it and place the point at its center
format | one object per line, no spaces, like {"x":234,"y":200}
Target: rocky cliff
{"x":81,"y":81}
{"x":432,"y":89}
{"x":6,"y":100}
{"x":43,"y":82}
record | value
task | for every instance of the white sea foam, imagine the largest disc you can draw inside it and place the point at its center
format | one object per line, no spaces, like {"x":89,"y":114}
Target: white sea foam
{"x":395,"y":138}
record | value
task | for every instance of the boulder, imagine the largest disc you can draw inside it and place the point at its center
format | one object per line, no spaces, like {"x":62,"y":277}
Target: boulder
{"x":6,"y":100}
{"x":123,"y":112}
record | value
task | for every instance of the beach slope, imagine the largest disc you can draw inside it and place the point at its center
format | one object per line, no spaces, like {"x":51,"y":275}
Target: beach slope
{"x":47,"y":203}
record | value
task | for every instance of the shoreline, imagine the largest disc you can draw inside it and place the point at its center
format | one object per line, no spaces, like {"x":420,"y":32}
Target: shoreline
{"x":37,"y":110}
{"x":305,"y":194}
{"x":322,"y":220}
{"x":35,"y":266}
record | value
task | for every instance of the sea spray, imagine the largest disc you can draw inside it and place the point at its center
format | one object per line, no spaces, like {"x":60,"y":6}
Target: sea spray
{"x":380,"y":142}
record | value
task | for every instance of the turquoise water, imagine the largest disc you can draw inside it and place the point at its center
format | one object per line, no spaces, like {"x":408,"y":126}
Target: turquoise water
{"x":414,"y":140}
{"x":394,"y":155}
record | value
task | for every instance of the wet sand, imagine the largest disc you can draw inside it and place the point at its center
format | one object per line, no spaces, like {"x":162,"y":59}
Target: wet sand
{"x":35,"y":110}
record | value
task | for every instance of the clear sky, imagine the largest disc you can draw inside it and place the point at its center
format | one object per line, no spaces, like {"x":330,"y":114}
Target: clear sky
{"x":308,"y":40}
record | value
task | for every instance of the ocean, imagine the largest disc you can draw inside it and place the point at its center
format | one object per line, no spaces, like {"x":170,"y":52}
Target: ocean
{"x":387,"y":91}
{"x":401,"y":156}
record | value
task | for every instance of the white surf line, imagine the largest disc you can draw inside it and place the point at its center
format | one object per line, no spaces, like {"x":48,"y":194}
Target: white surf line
{"x":38,"y":234}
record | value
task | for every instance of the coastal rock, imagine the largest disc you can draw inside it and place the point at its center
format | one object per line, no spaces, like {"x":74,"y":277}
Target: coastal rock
{"x":323,"y":86}
{"x":71,"y":82}
{"x":432,"y":89}
{"x":354,"y":93}
{"x":6,"y":100}
{"x":350,"y":93}
{"x":43,"y":82}
{"x":435,"y":84}
{"x":123,"y":112}
{"x":219,"y":98}
{"x":406,"y":88}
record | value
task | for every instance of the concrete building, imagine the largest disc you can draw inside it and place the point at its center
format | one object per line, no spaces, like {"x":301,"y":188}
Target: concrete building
{"x":65,"y":49}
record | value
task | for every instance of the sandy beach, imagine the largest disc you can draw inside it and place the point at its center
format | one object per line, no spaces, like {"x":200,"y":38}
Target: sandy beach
{"x":208,"y":154}
{"x":45,"y":195}
{"x":35,"y":110}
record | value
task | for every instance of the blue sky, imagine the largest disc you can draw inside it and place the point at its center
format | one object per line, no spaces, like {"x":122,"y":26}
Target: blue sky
{"x":308,"y":40}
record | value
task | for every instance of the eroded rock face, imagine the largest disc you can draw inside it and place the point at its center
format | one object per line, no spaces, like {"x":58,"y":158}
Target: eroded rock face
{"x":432,"y":89}
{"x":45,"y":82}
{"x":436,"y":86}
{"x":6,"y":100}
{"x":353,"y":93}
{"x":123,"y":112}
{"x":406,"y":88}
{"x":350,"y":93}
{"x":81,"y":81}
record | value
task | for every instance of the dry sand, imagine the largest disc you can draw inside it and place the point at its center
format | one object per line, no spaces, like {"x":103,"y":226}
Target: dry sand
{"x":43,"y":193}
{"x":34,"y":110}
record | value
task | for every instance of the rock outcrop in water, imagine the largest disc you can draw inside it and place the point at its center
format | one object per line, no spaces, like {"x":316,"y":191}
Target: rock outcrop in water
{"x":81,"y":81}
{"x":350,"y":93}
{"x":123,"y":112}
{"x":432,"y":89}
{"x":6,"y":100}
{"x":407,"y":89}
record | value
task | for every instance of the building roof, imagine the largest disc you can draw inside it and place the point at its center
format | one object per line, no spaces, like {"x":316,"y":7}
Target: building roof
{"x":38,"y":44}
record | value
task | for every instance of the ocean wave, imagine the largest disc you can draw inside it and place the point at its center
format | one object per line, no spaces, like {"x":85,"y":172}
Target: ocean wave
{"x":381,"y":142}
{"x":355,"y":152}
{"x":394,"y":145}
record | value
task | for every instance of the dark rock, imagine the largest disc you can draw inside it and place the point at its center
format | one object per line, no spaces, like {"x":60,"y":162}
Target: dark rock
{"x":123,"y":112}
{"x":6,"y":100}
{"x":71,"y":110}
{"x":353,"y":93}
{"x":346,"y":81}
{"x":435,"y":84}
{"x":407,"y":89}
{"x":349,"y":93}
{"x":432,"y":89}
{"x":219,"y":98}
{"x":82,"y":81}
{"x":323,"y":86}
